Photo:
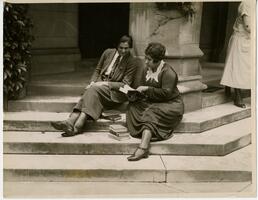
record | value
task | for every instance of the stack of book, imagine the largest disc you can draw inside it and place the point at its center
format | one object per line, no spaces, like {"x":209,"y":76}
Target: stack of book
{"x":112,"y":115}
{"x":119,"y":132}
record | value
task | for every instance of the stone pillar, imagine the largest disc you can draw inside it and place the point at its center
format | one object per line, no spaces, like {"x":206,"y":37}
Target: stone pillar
{"x":180,"y":35}
{"x":55,"y":48}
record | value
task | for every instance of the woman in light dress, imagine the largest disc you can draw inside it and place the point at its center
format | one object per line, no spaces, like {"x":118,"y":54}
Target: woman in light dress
{"x":237,"y":72}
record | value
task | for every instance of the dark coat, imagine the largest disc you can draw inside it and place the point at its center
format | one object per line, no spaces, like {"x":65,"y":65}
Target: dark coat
{"x":124,"y":73}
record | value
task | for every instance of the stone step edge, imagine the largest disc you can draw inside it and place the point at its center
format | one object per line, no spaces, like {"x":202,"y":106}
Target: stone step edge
{"x":59,"y":104}
{"x":144,"y":170}
{"x":205,"y":143}
{"x":187,"y":124}
{"x":119,"y":148}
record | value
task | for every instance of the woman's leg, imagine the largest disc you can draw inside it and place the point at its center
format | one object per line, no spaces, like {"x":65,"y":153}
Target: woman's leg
{"x":73,"y":117}
{"x":238,"y":101}
{"x":77,"y":128}
{"x":66,"y":125}
{"x":146,"y":137}
{"x":143,"y":150}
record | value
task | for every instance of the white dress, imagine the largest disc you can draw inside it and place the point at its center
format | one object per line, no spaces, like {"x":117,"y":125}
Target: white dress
{"x":237,"y":72}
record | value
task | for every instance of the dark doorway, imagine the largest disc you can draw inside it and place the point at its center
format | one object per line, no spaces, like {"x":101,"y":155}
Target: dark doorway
{"x":100,"y":26}
{"x":213,"y":29}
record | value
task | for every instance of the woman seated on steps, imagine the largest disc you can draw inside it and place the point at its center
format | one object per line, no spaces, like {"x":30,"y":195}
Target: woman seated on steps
{"x":156,"y":116}
{"x":116,"y":68}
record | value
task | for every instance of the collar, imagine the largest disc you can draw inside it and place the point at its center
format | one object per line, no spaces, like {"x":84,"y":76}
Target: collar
{"x":154,"y":75}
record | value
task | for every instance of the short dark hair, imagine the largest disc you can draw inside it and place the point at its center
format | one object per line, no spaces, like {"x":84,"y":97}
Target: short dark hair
{"x":156,"y":51}
{"x":126,"y":38}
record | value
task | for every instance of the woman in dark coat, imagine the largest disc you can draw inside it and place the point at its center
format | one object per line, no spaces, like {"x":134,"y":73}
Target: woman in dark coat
{"x":156,"y":116}
{"x":116,"y":68}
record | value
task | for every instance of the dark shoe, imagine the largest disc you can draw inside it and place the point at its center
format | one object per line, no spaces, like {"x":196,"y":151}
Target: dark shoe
{"x":63,"y":126}
{"x":238,"y":101}
{"x":241,"y":105}
{"x":75,"y":131}
{"x":70,"y":134}
{"x":139,"y":156}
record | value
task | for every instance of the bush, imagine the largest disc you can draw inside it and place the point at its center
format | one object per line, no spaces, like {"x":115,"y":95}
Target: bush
{"x":17,"y":45}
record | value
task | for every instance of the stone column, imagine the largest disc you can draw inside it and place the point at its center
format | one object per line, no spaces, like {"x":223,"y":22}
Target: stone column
{"x":55,"y":48}
{"x":180,"y":35}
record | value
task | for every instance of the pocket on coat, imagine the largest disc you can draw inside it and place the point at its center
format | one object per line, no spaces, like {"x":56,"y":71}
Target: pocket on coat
{"x":245,"y":45}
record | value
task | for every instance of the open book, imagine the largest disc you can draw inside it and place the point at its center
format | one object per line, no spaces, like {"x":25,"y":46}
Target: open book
{"x":126,"y":88}
{"x":132,"y":94}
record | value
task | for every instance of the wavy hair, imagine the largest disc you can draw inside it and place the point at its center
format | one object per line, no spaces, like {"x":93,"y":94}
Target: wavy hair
{"x":156,"y":51}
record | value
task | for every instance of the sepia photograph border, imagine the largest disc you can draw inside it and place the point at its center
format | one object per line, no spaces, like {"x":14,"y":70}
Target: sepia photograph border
{"x":252,"y":193}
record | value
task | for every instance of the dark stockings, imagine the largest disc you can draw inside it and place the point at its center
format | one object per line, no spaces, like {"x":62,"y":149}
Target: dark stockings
{"x":143,"y":150}
{"x":238,"y":100}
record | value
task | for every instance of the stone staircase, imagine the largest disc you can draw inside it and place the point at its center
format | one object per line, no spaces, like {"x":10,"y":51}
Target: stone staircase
{"x":210,"y":145}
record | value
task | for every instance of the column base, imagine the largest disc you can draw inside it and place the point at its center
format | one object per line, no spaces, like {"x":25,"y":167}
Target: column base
{"x":191,"y":89}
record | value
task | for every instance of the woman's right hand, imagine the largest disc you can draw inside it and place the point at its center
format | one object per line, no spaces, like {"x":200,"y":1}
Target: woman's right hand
{"x":142,"y":88}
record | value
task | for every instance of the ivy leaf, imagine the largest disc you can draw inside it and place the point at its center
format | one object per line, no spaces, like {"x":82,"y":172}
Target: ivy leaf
{"x":19,"y":84}
{"x":5,"y":76}
{"x":20,"y":23}
{"x":8,"y":73}
{"x":17,"y":43}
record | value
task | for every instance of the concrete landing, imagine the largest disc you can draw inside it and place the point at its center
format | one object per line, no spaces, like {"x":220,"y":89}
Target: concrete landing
{"x":236,"y":166}
{"x":126,"y":189}
{"x":193,"y":122}
{"x":216,"y":142}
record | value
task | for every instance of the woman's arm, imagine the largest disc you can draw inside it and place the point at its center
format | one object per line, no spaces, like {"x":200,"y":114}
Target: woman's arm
{"x":168,"y":81}
{"x":99,"y":66}
{"x":128,"y":79}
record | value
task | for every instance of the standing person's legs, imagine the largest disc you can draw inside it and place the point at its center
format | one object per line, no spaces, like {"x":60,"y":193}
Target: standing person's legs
{"x":227,"y":91}
{"x":238,"y":100}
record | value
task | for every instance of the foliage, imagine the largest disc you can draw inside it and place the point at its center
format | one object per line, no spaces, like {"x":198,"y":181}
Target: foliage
{"x":186,"y":8}
{"x":17,"y":45}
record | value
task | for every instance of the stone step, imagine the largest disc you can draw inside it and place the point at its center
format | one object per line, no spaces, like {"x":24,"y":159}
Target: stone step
{"x":40,"y":89}
{"x":66,"y":103}
{"x":43,"y":103}
{"x":194,"y":122}
{"x":236,"y":166}
{"x":212,"y":73}
{"x":214,"y":98}
{"x":216,"y":142}
{"x":48,"y":104}
{"x":219,"y":97}
{"x":63,"y":84}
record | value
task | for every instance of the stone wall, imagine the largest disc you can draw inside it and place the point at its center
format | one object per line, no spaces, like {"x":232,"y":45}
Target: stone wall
{"x":55,"y":48}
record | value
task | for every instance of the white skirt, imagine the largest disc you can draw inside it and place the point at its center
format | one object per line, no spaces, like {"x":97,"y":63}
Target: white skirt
{"x":237,"y":72}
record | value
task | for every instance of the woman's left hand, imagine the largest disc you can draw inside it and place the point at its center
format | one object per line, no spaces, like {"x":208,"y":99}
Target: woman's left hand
{"x":142,"y":88}
{"x":100,"y":83}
